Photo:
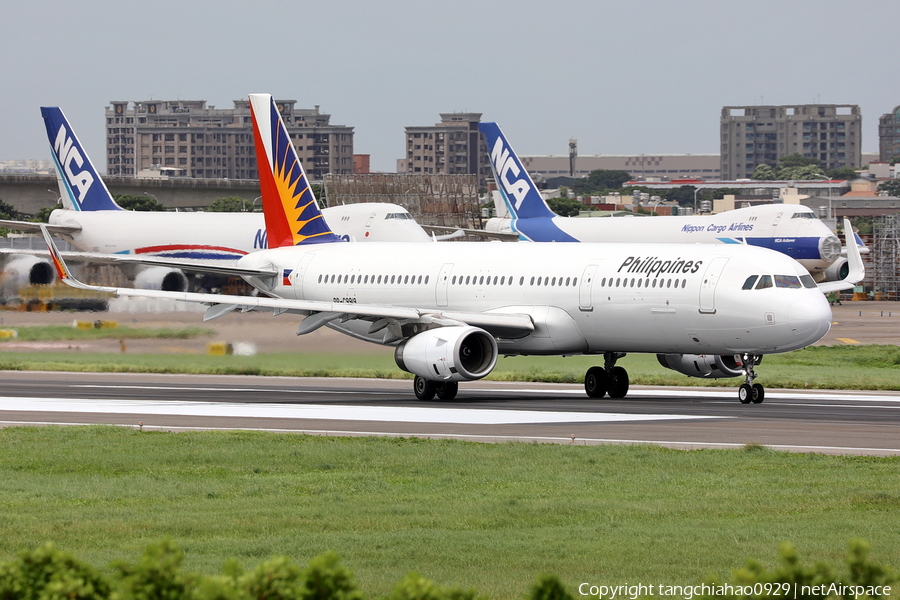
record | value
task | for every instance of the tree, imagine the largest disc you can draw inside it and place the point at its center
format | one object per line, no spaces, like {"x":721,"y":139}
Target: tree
{"x":683,"y":195}
{"x":566,"y":207}
{"x":230,"y":204}
{"x":600,"y":181}
{"x":43,"y":214}
{"x":8,"y":212}
{"x":892,"y":187}
{"x":843,"y":173}
{"x":763,"y":172}
{"x":141,"y":203}
{"x":795,"y":160}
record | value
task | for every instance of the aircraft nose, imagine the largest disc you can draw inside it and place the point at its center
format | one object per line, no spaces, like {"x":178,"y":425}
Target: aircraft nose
{"x":809,"y":318}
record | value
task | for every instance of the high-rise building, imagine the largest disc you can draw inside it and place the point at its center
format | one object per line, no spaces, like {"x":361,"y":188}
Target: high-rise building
{"x":454,"y":147}
{"x":755,"y":135}
{"x":189,"y":138}
{"x":889,"y":135}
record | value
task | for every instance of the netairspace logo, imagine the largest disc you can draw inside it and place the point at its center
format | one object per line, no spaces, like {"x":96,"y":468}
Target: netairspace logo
{"x":68,"y":154}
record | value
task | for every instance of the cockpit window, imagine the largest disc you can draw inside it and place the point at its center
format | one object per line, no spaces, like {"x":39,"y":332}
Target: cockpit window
{"x":788,"y":281}
{"x":808,"y":281}
{"x":805,"y":215}
{"x":764,"y":282}
{"x":405,"y":215}
{"x":748,"y":285}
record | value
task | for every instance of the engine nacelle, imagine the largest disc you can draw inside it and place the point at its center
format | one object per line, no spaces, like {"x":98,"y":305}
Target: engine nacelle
{"x":838,"y":270}
{"x":448,"y":354}
{"x":708,"y":366}
{"x":24,"y":269}
{"x":161,"y":278}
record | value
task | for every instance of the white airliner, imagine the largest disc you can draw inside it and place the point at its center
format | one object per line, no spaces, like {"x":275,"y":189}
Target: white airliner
{"x":794,"y":230}
{"x":92,"y":222}
{"x":706,"y":310}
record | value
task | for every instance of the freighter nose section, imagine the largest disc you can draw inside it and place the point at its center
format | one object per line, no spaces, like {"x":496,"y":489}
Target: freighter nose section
{"x":809,"y":318}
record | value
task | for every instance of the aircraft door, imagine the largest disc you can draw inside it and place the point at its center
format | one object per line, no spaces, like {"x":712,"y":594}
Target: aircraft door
{"x":708,"y":285}
{"x":442,"y":283}
{"x":295,"y":279}
{"x":585,"y":302}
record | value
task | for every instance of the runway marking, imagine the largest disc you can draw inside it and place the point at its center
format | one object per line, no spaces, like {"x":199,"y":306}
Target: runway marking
{"x":848,"y":340}
{"x":401,"y":414}
{"x":634,"y":392}
{"x":689,"y":445}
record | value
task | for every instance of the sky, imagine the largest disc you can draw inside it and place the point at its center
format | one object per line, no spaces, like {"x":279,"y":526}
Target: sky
{"x":621,"y":77}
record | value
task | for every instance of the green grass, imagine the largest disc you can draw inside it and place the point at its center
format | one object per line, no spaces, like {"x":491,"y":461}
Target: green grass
{"x":869,"y":367}
{"x":44,"y":333}
{"x":488,"y":516}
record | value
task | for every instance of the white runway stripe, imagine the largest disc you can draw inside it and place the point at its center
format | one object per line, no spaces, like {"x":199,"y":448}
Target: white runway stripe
{"x":399,"y":414}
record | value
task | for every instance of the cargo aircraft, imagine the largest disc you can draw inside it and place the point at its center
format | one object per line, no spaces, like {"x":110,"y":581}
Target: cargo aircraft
{"x":792,"y":229}
{"x":143,"y":242}
{"x":706,"y":310}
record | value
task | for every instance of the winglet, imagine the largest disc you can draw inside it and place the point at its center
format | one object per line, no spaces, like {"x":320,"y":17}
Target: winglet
{"x":857,"y":270}
{"x":62,"y":269}
{"x":80,"y":186}
{"x":292,"y":215}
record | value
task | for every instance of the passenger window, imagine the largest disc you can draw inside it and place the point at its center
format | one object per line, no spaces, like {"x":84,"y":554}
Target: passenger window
{"x":748,"y":285}
{"x":426,"y":280}
{"x":764,"y":282}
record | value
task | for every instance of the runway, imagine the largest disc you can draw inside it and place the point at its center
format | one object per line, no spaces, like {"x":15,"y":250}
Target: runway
{"x":823,"y":421}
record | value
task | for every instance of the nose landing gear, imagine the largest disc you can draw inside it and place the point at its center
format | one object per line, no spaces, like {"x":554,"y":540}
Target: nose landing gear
{"x":749,"y":391}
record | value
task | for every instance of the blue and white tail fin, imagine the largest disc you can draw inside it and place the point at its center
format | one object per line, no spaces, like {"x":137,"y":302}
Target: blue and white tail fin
{"x":519,"y":193}
{"x":530,"y":215}
{"x":80,"y":186}
{"x":292,"y":215}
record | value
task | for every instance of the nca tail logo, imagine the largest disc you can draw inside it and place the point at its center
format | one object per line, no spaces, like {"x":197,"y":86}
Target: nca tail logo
{"x":69,"y":159}
{"x":505,"y":165}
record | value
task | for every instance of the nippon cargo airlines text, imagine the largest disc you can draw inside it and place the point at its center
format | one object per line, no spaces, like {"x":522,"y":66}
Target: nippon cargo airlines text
{"x":505,"y":163}
{"x":717,"y":228}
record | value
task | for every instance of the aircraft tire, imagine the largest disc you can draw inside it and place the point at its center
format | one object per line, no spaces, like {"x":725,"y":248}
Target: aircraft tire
{"x":447,"y":391}
{"x":425,"y":389}
{"x":618,"y":382}
{"x":745,"y":393}
{"x":759,"y":393}
{"x":595,"y":382}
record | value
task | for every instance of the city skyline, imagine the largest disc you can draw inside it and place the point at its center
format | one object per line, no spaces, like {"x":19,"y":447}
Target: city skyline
{"x":618,"y":80}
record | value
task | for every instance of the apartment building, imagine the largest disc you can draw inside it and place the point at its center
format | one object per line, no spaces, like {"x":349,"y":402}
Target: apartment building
{"x":754,"y":135}
{"x":453,"y":147}
{"x":889,"y":135}
{"x":190,"y":139}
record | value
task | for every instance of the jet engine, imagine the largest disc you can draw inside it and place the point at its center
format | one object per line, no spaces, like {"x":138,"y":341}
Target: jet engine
{"x":448,"y":354}
{"x":709,"y":366}
{"x":161,"y":278}
{"x":29,"y":270}
{"x":838,"y":270}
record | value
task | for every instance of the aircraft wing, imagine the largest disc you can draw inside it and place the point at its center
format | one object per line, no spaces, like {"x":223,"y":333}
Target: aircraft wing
{"x":497,"y":235}
{"x":321,"y":313}
{"x":36,"y":227}
{"x":189,"y":266}
{"x":857,"y":271}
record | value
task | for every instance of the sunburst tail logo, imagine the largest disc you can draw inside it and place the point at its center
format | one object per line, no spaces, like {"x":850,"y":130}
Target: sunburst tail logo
{"x":292,"y":215}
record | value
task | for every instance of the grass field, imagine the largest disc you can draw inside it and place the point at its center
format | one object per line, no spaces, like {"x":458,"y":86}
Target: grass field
{"x":829,"y":367}
{"x":491,"y":517}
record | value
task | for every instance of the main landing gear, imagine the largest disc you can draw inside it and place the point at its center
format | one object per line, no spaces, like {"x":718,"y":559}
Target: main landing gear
{"x":426,"y":389}
{"x":749,"y":391}
{"x":609,"y":379}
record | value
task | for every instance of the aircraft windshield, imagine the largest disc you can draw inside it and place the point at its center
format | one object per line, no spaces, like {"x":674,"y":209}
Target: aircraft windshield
{"x":398,"y":216}
{"x":805,"y":215}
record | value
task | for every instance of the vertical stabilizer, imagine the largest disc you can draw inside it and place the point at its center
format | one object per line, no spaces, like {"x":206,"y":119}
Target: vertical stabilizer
{"x":519,"y":193}
{"x":292,"y":215}
{"x":530,"y":216}
{"x":80,"y":186}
